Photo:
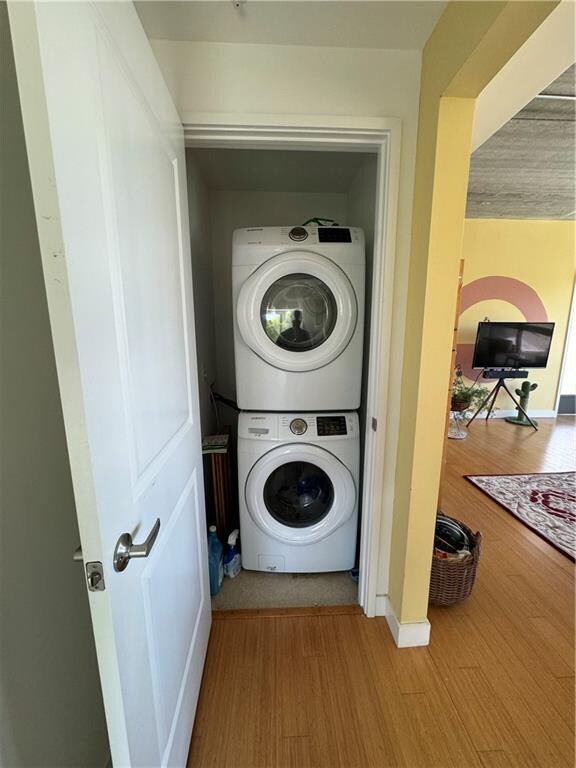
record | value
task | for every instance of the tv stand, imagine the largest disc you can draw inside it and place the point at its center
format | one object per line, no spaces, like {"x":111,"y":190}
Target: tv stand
{"x":501,"y":375}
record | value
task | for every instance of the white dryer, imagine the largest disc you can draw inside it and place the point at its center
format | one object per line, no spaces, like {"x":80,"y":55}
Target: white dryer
{"x":298,"y":294}
{"x":298,"y":490}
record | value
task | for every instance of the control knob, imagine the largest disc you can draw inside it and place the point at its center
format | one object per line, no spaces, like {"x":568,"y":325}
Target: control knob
{"x":298,"y":234}
{"x":298,"y":426}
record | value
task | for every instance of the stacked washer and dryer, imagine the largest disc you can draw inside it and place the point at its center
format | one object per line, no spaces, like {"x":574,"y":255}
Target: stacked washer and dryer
{"x":298,"y":337}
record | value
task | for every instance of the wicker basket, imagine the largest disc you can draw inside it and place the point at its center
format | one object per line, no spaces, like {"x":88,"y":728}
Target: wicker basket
{"x":452,"y":580}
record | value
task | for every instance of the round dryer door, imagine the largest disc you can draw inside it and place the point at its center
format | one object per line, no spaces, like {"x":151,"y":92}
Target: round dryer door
{"x":297,"y":311}
{"x":300,"y":494}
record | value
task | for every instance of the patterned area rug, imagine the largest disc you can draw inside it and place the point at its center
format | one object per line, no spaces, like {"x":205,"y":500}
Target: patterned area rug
{"x":545,"y":502}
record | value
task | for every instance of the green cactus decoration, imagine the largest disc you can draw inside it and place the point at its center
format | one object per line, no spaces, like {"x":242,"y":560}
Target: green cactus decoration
{"x":524,"y":395}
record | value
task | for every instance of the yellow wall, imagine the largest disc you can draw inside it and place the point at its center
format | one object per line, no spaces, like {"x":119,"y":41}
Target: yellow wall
{"x":470,"y":44}
{"x":540,"y":254}
{"x":428,"y":344}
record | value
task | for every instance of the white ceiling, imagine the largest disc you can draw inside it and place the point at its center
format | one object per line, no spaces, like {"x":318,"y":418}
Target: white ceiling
{"x":376,"y":24}
{"x":262,"y":170}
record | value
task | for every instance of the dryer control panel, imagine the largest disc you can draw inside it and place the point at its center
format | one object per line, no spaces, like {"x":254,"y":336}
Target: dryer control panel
{"x":298,"y":235}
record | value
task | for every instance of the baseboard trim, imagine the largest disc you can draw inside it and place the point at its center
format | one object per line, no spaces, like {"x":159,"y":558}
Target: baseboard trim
{"x":382,"y":606}
{"x":283,"y":613}
{"x":405,"y":635}
{"x":504,"y":414}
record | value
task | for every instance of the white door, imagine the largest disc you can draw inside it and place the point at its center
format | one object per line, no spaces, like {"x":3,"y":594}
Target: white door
{"x":106,"y":157}
{"x":298,"y":311}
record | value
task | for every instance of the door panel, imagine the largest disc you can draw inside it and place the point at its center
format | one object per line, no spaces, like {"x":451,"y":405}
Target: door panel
{"x":310,"y":285}
{"x":298,"y":494}
{"x":336,"y":493}
{"x":149,"y":274}
{"x":298,"y":312}
{"x":106,"y":158}
{"x":174,"y":567}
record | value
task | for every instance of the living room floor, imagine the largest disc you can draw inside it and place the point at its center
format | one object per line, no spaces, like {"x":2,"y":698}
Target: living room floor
{"x":328,"y":687}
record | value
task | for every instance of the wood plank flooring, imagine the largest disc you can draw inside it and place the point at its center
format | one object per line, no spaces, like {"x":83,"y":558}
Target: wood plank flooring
{"x":495,"y":687}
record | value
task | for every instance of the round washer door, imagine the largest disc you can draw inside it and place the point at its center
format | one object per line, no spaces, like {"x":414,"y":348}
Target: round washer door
{"x":297,"y":311}
{"x":299,"y":494}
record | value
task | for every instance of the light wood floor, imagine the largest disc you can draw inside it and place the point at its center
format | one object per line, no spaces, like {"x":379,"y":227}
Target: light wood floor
{"x":494,"y":688}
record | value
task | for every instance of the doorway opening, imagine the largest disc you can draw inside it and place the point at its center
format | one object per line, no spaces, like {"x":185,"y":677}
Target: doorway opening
{"x":566,"y":397}
{"x":234,"y":185}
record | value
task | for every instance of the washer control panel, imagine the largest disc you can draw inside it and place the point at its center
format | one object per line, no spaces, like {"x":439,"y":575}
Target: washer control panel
{"x":331,"y":426}
{"x":298,"y":426}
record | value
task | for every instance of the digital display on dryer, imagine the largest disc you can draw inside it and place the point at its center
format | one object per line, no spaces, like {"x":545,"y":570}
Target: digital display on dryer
{"x":334,"y":235}
{"x":329,"y":426}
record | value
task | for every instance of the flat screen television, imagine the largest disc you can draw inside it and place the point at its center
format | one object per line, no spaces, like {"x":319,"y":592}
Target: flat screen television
{"x":512,"y":345}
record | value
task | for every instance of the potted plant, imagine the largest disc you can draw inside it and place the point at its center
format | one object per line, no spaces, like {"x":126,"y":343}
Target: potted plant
{"x":466,"y":397}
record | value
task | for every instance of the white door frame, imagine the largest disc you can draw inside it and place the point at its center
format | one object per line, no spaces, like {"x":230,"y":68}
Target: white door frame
{"x":381,"y":136}
{"x":570,"y":329}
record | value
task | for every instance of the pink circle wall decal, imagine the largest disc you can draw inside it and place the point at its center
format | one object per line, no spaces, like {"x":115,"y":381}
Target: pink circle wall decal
{"x":515,"y":292}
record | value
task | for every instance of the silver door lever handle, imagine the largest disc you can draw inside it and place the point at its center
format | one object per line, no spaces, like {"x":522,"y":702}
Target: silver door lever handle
{"x":126,"y":550}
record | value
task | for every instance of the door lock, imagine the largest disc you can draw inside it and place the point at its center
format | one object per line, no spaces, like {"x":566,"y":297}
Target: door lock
{"x":95,"y":576}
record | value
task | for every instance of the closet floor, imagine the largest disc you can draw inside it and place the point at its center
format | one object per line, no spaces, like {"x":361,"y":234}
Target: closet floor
{"x":255,"y":589}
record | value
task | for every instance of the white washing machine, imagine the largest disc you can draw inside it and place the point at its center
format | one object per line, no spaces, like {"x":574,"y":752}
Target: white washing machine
{"x":298,"y":294}
{"x":298,"y":489}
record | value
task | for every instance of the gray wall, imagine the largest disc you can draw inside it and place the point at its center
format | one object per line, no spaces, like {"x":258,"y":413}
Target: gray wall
{"x":361,"y":213}
{"x":202,"y":278}
{"x":50,"y":703}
